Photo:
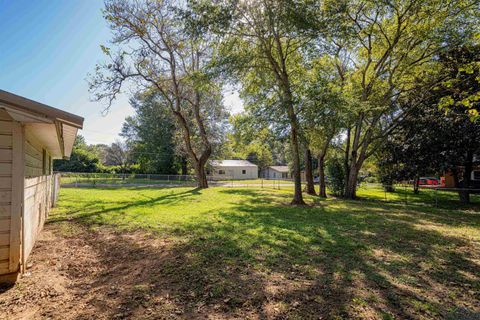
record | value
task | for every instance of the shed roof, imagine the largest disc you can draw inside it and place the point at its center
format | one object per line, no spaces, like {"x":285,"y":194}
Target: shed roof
{"x":232,"y":163}
{"x":280,"y":168}
{"x":54,"y":128}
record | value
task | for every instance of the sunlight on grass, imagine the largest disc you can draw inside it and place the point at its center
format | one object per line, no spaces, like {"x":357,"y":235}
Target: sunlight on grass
{"x":375,"y":244}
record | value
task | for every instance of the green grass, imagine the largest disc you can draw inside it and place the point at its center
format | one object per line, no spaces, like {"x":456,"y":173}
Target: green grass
{"x":370,"y":258}
{"x":405,"y":194}
{"x":107,"y":179}
{"x":89,"y":180}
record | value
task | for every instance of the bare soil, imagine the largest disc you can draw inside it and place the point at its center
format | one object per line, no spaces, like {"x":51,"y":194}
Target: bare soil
{"x":80,"y":273}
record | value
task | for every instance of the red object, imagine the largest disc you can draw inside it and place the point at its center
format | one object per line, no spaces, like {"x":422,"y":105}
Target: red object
{"x":428,"y":181}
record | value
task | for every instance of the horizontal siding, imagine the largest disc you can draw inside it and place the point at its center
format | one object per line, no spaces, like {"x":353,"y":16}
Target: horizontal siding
{"x":4,"y":224}
{"x":4,"y":238}
{"x":5,"y":197}
{"x":6,"y":154}
{"x":4,"y":267}
{"x":5,"y":183}
{"x":5,"y":126}
{"x":5,"y":210}
{"x":33,"y":162}
{"x":33,"y":158}
{"x":4,"y":253}
{"x":5,"y":140}
{"x":33,"y":151}
{"x":5,"y":169}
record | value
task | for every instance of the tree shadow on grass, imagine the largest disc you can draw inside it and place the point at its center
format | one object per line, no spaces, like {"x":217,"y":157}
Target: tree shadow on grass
{"x":114,"y":207}
{"x":267,"y":260}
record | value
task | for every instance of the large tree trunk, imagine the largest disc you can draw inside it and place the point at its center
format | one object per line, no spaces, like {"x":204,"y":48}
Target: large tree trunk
{"x":321,"y":176}
{"x":308,"y":172}
{"x":279,"y":68}
{"x":201,"y":176}
{"x":357,"y":157}
{"x":197,"y":163}
{"x":184,"y":167}
{"x":416,"y":185}
{"x":297,"y":196}
{"x":347,"y":156}
{"x":352,"y":179}
{"x":351,"y":187}
{"x":464,"y":195}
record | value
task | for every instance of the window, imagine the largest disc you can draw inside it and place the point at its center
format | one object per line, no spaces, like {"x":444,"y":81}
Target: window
{"x":221,"y":171}
{"x":476,"y":175}
{"x":244,"y":171}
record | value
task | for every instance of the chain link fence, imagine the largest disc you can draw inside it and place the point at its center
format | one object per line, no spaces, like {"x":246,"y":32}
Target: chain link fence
{"x":73,"y":179}
{"x":434,"y":196}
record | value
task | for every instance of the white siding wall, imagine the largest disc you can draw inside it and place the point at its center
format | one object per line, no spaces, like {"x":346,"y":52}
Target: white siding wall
{"x":11,"y":186}
{"x":5,"y":188}
{"x":38,"y":188}
{"x":236,"y":172}
{"x":269,"y":173}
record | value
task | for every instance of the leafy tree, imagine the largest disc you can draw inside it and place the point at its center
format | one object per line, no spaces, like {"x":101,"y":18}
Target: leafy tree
{"x":119,"y":154}
{"x":250,"y":138}
{"x":427,"y":141}
{"x":150,"y":135}
{"x":386,"y":49}
{"x":336,"y":176}
{"x":262,"y":49}
{"x":158,"y":52}
{"x":462,"y":87}
{"x":324,"y":112}
{"x":82,"y":159}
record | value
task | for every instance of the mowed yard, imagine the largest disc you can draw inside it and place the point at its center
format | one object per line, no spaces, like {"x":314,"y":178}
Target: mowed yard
{"x":166,"y":253}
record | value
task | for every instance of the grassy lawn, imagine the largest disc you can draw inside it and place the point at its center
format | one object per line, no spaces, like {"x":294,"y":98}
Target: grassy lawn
{"x":244,"y":252}
{"x":106,"y":179}
{"x":405,"y":194}
{"x":93,"y":179}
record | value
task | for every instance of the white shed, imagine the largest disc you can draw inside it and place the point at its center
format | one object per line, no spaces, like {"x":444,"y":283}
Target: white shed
{"x":233,"y":169}
{"x":276,"y":172}
{"x":31,"y":135}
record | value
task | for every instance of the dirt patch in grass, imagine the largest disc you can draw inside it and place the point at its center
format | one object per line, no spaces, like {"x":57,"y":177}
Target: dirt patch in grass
{"x":80,"y":273}
{"x":251,"y":258}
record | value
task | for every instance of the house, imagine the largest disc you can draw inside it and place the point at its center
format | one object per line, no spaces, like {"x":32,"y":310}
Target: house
{"x":276,"y":172}
{"x":449,"y":181}
{"x":233,"y":169}
{"x":31,"y":135}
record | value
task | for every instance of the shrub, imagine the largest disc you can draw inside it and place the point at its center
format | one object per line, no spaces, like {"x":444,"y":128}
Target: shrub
{"x":336,"y":176}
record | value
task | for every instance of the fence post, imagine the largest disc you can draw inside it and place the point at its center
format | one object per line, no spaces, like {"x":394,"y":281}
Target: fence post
{"x":262,"y":183}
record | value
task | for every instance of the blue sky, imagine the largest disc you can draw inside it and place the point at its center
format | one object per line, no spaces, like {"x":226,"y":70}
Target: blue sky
{"x":47,"y":49}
